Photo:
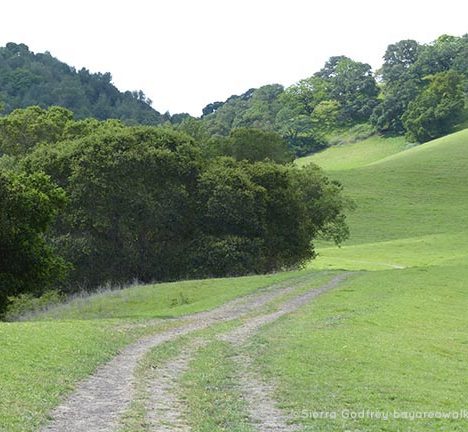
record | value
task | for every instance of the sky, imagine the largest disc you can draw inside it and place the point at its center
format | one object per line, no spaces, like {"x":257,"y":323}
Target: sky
{"x":185,"y":54}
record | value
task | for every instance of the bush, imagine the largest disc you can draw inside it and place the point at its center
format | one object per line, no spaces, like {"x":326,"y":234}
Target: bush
{"x":25,"y":304}
{"x":144,"y":204}
{"x":28,"y":206}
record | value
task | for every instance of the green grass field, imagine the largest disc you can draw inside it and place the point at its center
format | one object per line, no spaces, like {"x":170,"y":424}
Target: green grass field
{"x":165,"y":300}
{"x":390,"y":340}
{"x":394,"y":338}
{"x":42,"y":360}
{"x":362,"y":153}
{"x":411,"y":207}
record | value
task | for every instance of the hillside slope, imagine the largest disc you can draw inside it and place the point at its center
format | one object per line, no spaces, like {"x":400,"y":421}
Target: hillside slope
{"x":355,"y":155}
{"x":392,"y":342}
{"x":27,"y":78}
{"x":411,"y":206}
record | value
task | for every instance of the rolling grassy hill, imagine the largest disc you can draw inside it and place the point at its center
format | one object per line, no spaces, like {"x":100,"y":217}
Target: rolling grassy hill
{"x":361,"y":153}
{"x":393,"y":338}
{"x":411,"y":207}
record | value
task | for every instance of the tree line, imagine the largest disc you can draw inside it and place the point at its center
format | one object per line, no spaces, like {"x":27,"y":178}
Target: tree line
{"x":419,"y":91}
{"x":84,"y":202}
{"x":28,"y":79}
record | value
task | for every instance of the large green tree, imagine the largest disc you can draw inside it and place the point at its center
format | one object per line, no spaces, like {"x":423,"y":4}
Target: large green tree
{"x":260,"y":217}
{"x":353,"y":85}
{"x":28,"y":263}
{"x":434,"y":112}
{"x":130,"y":207}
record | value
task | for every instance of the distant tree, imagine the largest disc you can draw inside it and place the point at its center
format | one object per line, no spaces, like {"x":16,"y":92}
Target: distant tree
{"x":329,"y":70}
{"x":460,"y":62}
{"x":223,"y":119}
{"x":179,"y":118}
{"x":438,"y":56}
{"x":401,"y":85}
{"x":211,"y":108}
{"x":434,"y":112}
{"x":325,"y":116}
{"x":353,"y":85}
{"x":387,"y":116}
{"x":398,"y":60}
{"x":28,"y":206}
{"x":297,"y":129}
{"x":23,"y":129}
{"x":263,"y":107}
{"x":256,"y":145}
{"x":307,"y":94}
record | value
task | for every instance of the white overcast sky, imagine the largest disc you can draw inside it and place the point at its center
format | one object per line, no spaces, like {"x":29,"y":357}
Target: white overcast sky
{"x":186,"y":53}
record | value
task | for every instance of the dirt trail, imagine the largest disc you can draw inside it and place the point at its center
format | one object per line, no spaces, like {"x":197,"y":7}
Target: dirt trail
{"x":165,"y":409}
{"x":264,"y":413}
{"x":98,"y":402}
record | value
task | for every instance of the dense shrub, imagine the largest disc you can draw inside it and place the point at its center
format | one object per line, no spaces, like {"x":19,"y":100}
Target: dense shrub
{"x":28,"y":205}
{"x":28,"y":303}
{"x":144,"y":204}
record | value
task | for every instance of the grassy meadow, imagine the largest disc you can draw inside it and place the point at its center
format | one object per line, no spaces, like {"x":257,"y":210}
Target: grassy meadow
{"x":42,"y":359}
{"x":393,"y":338}
{"x":357,"y":154}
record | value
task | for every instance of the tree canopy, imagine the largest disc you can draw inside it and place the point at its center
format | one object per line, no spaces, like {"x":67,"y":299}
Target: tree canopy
{"x":28,"y":207}
{"x":39,"y":79}
{"x":146,"y":203}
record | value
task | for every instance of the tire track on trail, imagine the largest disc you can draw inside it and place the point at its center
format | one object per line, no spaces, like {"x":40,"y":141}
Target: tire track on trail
{"x":165,"y":409}
{"x":264,"y":412}
{"x":99,"y":401}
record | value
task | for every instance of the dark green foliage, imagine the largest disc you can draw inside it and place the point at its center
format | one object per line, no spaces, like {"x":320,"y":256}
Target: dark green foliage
{"x":28,"y":79}
{"x":144,"y":204}
{"x":130,"y":209}
{"x":439,"y":56}
{"x":255,"y":145}
{"x":28,"y":205}
{"x":405,"y":74}
{"x":262,"y":217}
{"x":353,"y":85}
{"x":398,"y":61}
{"x":437,"y":109}
{"x":387,"y":116}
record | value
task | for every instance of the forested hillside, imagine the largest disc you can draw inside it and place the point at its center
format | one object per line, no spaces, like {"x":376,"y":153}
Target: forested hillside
{"x":39,"y":79}
{"x":86,"y":201}
{"x":420,"y":91}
